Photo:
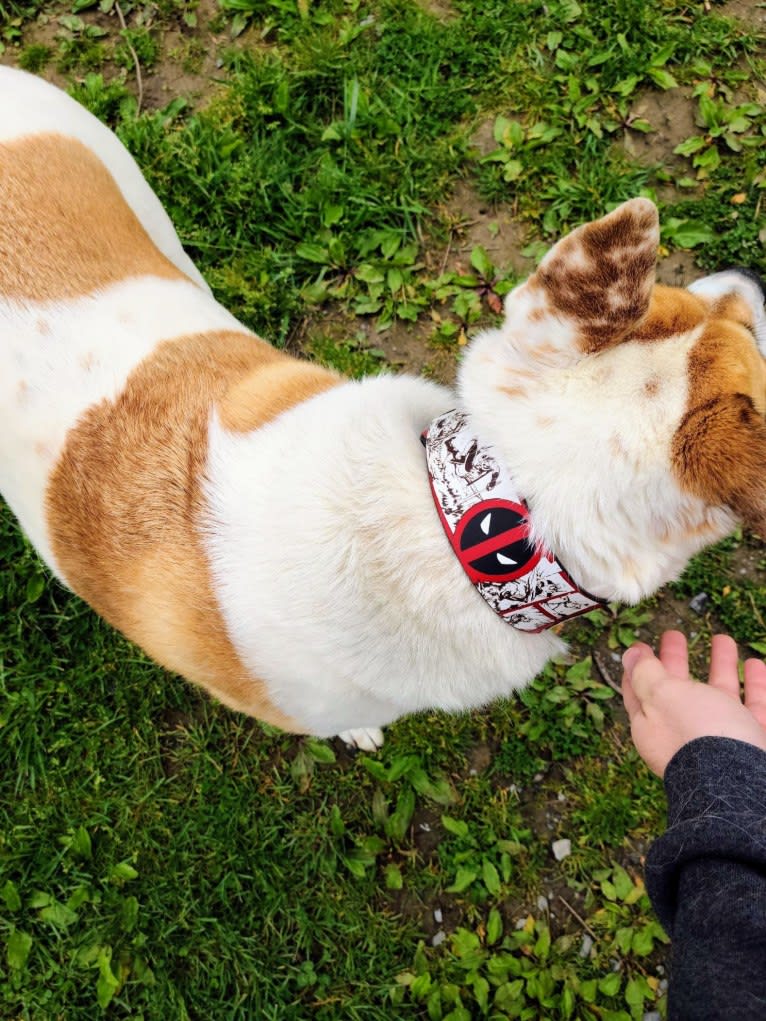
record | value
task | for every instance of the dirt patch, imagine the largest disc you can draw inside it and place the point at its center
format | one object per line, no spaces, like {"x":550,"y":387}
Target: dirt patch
{"x":189,"y":61}
{"x":479,"y":759}
{"x":475,"y":222}
{"x":751,"y":12}
{"x":427,"y":831}
{"x":187,"y":66}
{"x":441,"y":10}
{"x":671,"y":115}
{"x":46,"y":31}
{"x":405,"y":345}
{"x":678,"y":269}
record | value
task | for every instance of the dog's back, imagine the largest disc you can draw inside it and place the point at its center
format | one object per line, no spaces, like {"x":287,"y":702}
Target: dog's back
{"x":113,"y":355}
{"x":69,"y":232}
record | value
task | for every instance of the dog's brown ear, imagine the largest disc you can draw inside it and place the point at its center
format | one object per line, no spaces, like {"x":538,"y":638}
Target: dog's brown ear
{"x":598,"y":280}
{"x":719,"y":454}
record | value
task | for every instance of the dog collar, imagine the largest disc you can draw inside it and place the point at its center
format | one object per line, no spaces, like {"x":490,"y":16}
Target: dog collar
{"x":487,"y":524}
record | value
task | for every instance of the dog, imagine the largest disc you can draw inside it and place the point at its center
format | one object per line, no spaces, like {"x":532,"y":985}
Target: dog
{"x":329,"y":555}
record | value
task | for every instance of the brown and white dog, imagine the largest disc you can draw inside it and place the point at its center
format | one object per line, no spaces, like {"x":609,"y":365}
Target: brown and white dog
{"x":268,"y":529}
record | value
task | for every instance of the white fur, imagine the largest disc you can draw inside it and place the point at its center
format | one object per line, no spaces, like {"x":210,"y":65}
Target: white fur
{"x":59,"y":358}
{"x":334,"y":575}
{"x":621,"y":540}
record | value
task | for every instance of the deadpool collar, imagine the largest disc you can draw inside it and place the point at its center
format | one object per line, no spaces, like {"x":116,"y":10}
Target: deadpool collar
{"x":487,"y":524}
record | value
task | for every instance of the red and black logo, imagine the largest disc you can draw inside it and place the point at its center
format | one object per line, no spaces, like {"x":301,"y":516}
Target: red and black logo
{"x":492,"y":542}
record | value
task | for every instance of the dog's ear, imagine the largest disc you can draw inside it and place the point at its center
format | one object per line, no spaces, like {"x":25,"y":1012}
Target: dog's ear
{"x":719,"y":454}
{"x":592,"y":288}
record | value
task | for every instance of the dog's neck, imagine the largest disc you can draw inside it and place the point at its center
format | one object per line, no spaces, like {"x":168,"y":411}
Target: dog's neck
{"x":487,"y":524}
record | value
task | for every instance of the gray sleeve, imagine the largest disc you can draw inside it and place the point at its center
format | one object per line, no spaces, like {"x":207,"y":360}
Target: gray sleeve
{"x":706,"y":877}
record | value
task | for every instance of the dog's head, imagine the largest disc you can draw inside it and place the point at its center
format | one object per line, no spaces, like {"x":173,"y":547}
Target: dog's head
{"x":631,"y":414}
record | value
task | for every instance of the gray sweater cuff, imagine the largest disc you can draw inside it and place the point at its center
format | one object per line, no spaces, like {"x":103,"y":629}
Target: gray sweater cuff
{"x":716,"y":790}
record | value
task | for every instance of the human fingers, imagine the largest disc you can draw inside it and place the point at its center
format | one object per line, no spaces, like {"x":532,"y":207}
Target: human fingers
{"x":643,"y":670}
{"x":630,"y":658}
{"x":629,"y":697}
{"x":724,"y":665}
{"x":755,"y":689}
{"x":674,"y":654}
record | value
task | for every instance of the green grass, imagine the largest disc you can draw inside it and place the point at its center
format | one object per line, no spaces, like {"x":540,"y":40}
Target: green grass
{"x":162,"y":857}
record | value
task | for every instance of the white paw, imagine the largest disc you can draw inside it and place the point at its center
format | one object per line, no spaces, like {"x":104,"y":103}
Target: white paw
{"x":369,"y":739}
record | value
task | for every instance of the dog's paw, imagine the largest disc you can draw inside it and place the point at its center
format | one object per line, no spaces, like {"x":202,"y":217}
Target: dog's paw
{"x":369,"y":739}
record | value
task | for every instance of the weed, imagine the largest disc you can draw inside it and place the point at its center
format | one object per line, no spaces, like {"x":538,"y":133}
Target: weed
{"x":350,"y":357}
{"x":139,"y":41}
{"x":81,"y":47}
{"x":35,"y":58}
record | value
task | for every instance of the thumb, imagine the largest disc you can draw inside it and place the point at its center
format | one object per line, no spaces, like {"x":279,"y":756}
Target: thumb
{"x":633,"y":656}
{"x":630,"y":660}
{"x":644,"y":672}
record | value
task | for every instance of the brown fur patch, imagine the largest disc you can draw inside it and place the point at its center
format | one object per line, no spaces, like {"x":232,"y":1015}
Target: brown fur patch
{"x":65,"y":228}
{"x":601,"y":275}
{"x":734,"y":307}
{"x":125,"y":507}
{"x":513,"y":391}
{"x":672,"y":312}
{"x":719,"y":450}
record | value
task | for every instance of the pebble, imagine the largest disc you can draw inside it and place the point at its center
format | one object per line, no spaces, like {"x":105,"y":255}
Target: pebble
{"x":438,"y":916}
{"x":699,"y":603}
{"x":438,"y":938}
{"x":425,"y":827}
{"x":542,"y":903}
{"x":652,"y":1015}
{"x":561,"y":849}
{"x":586,"y":946}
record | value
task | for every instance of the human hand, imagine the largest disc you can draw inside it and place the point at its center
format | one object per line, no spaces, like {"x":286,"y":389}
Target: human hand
{"x":667,"y":708}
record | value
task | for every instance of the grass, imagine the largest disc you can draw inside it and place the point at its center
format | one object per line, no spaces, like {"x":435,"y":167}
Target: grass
{"x":162,"y":857}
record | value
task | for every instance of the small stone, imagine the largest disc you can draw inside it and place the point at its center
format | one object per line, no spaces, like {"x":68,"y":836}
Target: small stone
{"x":424,"y":827}
{"x":586,"y":946}
{"x":438,"y":916}
{"x":542,"y":903}
{"x":652,"y":1015}
{"x":561,"y":849}
{"x":699,"y":603}
{"x":438,"y":938}
{"x":561,"y":796}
